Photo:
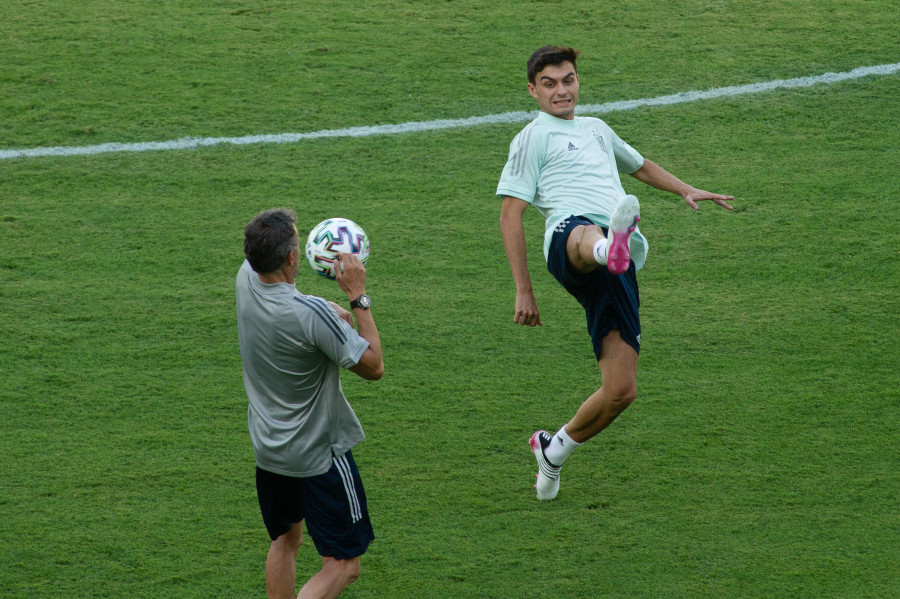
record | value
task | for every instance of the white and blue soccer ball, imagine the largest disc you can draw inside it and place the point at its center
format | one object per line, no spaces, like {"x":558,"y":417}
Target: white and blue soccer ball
{"x":332,"y":236}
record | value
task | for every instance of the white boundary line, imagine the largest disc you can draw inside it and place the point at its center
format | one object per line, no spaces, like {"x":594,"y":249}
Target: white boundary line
{"x":505,"y":117}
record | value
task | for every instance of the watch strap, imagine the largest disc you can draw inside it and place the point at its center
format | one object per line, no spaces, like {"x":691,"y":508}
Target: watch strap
{"x":357,"y":303}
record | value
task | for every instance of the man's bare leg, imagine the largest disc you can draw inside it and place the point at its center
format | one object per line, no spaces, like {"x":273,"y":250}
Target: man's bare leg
{"x":580,"y":247}
{"x":586,"y":250}
{"x":329,"y":582}
{"x":618,"y":368}
{"x":281,"y":563}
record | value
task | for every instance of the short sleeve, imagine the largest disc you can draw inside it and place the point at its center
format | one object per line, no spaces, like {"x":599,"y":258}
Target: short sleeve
{"x":331,"y":334}
{"x":628,"y":159}
{"x":523,"y":166}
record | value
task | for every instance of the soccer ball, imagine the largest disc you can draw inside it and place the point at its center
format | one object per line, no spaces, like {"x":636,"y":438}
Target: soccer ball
{"x":332,"y":236}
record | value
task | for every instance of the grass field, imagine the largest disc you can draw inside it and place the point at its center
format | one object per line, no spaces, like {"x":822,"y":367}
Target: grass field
{"x":761,"y":456}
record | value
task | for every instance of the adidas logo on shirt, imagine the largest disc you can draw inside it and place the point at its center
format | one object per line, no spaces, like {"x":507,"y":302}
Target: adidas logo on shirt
{"x":572,"y":146}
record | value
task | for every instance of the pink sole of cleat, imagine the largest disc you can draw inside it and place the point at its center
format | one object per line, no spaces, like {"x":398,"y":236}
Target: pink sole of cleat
{"x":622,"y":224}
{"x":619,"y":256}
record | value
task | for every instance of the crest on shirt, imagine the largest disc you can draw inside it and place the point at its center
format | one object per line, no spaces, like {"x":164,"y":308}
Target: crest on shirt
{"x":600,"y":141}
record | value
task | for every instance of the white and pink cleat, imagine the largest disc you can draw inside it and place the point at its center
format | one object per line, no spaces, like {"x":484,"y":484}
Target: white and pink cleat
{"x":547,"y":485}
{"x":621,"y":225}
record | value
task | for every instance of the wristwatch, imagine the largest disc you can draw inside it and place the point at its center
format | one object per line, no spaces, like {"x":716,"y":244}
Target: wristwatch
{"x":363,"y":301}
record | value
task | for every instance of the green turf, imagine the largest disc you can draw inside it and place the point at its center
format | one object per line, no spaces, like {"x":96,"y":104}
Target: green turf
{"x":760,"y":458}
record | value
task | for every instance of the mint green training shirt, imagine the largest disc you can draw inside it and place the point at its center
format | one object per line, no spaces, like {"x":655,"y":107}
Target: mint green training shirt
{"x":571,"y":167}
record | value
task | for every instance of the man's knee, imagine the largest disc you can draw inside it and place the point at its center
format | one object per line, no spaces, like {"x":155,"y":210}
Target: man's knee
{"x":347,"y":570}
{"x":622,"y":394}
{"x":285,"y":546}
{"x":579,"y":247}
{"x":291,"y":540}
{"x":351,"y":570}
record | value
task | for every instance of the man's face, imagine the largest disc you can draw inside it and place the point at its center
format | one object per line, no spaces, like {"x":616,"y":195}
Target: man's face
{"x":556,"y":90}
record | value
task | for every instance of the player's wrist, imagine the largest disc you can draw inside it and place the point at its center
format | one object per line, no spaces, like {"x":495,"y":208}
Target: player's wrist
{"x":687,"y":190}
{"x":361,"y":302}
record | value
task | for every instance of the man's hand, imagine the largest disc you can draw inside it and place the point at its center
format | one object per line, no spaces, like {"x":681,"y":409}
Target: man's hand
{"x":698,"y":195}
{"x":350,"y":274}
{"x":527,"y":311}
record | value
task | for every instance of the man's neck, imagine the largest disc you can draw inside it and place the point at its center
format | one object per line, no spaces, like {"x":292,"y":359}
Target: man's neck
{"x":271,"y":278}
{"x":571,"y":117}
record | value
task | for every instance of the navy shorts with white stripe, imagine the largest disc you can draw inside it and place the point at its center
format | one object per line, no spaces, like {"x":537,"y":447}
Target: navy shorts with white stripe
{"x":332,"y":504}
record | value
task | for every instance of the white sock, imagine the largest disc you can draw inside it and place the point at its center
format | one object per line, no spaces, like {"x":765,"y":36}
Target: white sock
{"x":560,"y":447}
{"x":600,"y":251}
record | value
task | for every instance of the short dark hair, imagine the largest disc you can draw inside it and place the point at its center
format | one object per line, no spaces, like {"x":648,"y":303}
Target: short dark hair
{"x":269,"y":238}
{"x":550,"y":55}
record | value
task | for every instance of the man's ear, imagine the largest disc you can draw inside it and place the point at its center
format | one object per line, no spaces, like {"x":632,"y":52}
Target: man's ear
{"x":531,"y":90}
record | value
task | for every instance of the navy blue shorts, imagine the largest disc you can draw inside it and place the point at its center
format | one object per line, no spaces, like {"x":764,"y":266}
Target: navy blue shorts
{"x":333,"y":505}
{"x":610,"y":301}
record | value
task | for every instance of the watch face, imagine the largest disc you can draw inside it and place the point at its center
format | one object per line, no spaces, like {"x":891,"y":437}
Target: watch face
{"x":364,"y":301}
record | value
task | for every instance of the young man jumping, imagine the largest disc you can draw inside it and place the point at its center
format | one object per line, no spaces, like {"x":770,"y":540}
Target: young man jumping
{"x":568,"y":168}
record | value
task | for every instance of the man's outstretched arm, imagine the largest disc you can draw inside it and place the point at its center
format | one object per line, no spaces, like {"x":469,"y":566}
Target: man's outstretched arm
{"x":656,"y":176}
